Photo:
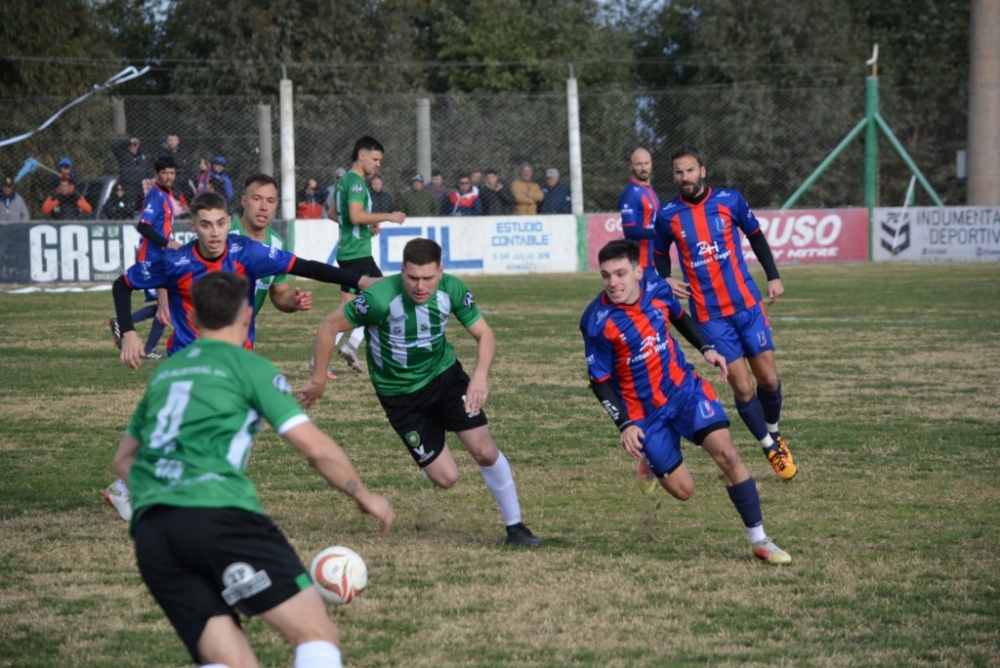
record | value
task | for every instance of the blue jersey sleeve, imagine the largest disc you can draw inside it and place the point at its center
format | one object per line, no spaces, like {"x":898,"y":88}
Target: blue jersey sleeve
{"x":662,"y":237}
{"x":744,"y":218}
{"x":632,"y":212}
{"x":149,"y":274}
{"x":595,"y":345}
{"x":263,"y":261}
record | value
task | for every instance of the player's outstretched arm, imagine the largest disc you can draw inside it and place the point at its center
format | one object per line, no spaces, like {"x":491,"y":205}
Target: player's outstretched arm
{"x":320,"y":271}
{"x":335,"y":466}
{"x":132,"y":347}
{"x":326,"y":337}
{"x":287,"y":300}
{"x":478,"y":391}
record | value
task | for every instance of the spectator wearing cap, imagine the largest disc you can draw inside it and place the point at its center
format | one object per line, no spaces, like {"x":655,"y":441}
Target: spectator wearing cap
{"x":328,"y":207}
{"x":64,"y":166}
{"x":557,"y":198}
{"x":65,"y":203}
{"x":464,"y":202}
{"x":308,"y":203}
{"x":381,"y":200}
{"x":417,"y":202}
{"x":219,"y":172}
{"x":496,"y":197}
{"x":13,"y":208}
{"x":527,"y":195}
{"x":133,"y":166}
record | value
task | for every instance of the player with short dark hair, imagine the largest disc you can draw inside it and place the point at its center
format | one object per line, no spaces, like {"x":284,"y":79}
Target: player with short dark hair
{"x":204,"y":547}
{"x":420,"y":383}
{"x":705,"y":223}
{"x":156,"y":224}
{"x":640,"y":375}
{"x":353,"y":209}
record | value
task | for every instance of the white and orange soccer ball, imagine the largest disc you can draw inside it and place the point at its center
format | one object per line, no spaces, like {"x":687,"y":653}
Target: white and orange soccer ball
{"x":339,"y":573}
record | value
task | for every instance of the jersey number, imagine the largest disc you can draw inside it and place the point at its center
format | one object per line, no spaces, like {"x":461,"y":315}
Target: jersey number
{"x":171,"y":416}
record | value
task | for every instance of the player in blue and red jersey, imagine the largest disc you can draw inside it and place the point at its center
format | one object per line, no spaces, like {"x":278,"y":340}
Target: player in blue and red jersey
{"x":155,"y":225}
{"x":653,"y":395}
{"x":705,"y":224}
{"x":639,"y":205}
{"x":213,"y":250}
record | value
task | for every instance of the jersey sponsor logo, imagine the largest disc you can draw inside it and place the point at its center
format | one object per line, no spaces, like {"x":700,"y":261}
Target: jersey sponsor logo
{"x":601,"y":315}
{"x":193,"y":352}
{"x":273,"y":253}
{"x":281,"y":384}
{"x":468,"y":300}
{"x":724,"y":193}
{"x":181,"y":261}
{"x":361,"y":305}
{"x":651,"y":345}
{"x":357,"y":188}
{"x":669,"y":205}
{"x":235,"y":246}
{"x":148,"y":210}
{"x":626,"y":209}
{"x":242,"y":581}
{"x":413,"y":442}
{"x":720,"y":224}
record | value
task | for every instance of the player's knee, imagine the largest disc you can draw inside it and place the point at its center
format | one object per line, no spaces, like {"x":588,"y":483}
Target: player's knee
{"x":443,"y":478}
{"x":682,"y":492}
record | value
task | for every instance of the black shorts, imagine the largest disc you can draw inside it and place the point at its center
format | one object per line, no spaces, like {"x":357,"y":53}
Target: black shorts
{"x":421,"y":418}
{"x":203,"y":562}
{"x":363,"y":265}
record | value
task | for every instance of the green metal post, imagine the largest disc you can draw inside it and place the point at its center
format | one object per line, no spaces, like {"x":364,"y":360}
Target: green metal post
{"x":851,"y":136}
{"x":871,"y":144}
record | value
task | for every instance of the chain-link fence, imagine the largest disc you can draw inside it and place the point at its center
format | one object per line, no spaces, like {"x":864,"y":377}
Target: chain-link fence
{"x":764,"y":141}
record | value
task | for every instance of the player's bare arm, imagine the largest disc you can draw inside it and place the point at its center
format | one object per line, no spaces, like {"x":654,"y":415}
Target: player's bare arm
{"x":333,"y":464}
{"x":326,"y":335}
{"x":478,"y":390}
{"x":631,"y":440}
{"x":361,"y":217}
{"x":774,"y":290}
{"x":287,"y":300}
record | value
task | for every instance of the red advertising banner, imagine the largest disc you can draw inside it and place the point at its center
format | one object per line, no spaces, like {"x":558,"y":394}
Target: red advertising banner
{"x":796,"y":236}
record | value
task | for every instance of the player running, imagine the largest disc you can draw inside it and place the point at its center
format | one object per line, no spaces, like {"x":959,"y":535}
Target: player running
{"x":353,"y":210}
{"x":705,"y":224}
{"x":204,"y":547}
{"x":417,"y":377}
{"x":639,"y":374}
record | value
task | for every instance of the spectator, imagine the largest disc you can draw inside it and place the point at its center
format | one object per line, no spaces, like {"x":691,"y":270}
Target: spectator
{"x":381,"y":200}
{"x":463,"y":201}
{"x":204,"y":175}
{"x":418,"y":202}
{"x":557,"y":198}
{"x":65,"y":203}
{"x":329,"y":206}
{"x":172,"y":147}
{"x":13,"y":208}
{"x":118,"y":206}
{"x":440,"y":192}
{"x":133,"y":166}
{"x":495,"y":196}
{"x":526,"y":193}
{"x":219,"y":172}
{"x":64,"y":166}
{"x":308,"y":203}
{"x":477,"y":180}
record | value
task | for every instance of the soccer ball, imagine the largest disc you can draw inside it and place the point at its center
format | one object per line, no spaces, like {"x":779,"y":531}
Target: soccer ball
{"x":339,"y":573}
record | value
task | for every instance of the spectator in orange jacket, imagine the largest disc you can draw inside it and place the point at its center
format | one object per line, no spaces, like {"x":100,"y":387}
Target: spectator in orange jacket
{"x":527,"y":195}
{"x":309,"y":203}
{"x":64,"y":203}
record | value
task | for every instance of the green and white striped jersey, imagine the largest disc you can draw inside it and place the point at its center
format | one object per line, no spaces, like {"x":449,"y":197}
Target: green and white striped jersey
{"x":196,"y":425}
{"x":355,"y":240}
{"x":407,"y":347}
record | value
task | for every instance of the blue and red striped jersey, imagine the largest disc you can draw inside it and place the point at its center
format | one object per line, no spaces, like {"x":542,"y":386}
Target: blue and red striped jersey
{"x":708,"y":247}
{"x":638,"y":205}
{"x":177,"y":270}
{"x":631,"y":347}
{"x":157,"y":211}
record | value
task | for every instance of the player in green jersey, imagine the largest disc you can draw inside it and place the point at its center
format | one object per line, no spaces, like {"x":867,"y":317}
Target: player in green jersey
{"x":419,"y":381}
{"x":353,"y":210}
{"x":260,"y":204}
{"x":204,"y":547}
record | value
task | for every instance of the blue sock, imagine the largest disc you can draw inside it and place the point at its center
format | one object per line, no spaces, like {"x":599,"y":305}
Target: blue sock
{"x":770,"y":400}
{"x":744,"y":496}
{"x":155,"y":332}
{"x":145,"y":313}
{"x":752,"y":414}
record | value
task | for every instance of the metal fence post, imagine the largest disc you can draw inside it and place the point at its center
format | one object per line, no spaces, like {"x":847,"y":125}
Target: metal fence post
{"x":424,"y":138}
{"x":264,"y":128}
{"x":575,"y":151}
{"x":287,"y":124}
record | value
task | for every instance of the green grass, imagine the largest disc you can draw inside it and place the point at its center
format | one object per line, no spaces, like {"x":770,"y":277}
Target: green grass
{"x":892,"y":409}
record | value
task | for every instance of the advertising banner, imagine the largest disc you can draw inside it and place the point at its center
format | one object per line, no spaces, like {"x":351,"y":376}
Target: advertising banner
{"x":806,"y":236}
{"x":931,"y":233}
{"x":470,"y":245}
{"x":81,"y":252}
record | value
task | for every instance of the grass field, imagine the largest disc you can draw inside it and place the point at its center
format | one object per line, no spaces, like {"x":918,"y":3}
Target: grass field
{"x":892,"y":410}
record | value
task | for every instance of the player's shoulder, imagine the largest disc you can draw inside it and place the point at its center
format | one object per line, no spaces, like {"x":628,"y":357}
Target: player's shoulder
{"x":726,"y":194}
{"x":595,"y":315}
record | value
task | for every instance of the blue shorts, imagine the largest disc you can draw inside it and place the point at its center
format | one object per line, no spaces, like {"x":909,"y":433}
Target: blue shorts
{"x":743,"y":334}
{"x":698,"y":413}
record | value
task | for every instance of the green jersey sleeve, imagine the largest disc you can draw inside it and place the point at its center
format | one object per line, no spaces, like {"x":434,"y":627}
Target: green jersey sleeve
{"x":465,"y":308}
{"x":272,"y":395}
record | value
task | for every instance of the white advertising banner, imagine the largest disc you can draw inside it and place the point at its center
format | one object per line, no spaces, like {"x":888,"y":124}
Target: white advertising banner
{"x":471,"y":245}
{"x":935,"y":233}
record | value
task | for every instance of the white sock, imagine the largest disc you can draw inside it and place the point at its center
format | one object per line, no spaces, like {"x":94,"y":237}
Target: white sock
{"x":756,"y":534}
{"x":773,"y":428}
{"x":500,"y":481}
{"x":317,"y":654}
{"x":336,"y":341}
{"x":767,"y":442}
{"x":121,"y":487}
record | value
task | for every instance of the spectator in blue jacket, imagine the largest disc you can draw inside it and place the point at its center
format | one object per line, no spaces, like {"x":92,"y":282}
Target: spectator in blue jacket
{"x":219,"y":167}
{"x":557,"y":196}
